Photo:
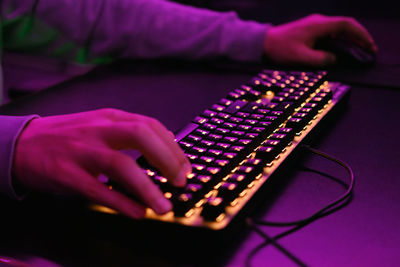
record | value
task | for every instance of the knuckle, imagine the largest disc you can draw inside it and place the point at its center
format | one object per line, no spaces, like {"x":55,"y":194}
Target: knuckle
{"x":91,"y":191}
{"x":118,"y":160}
{"x":346,"y":22}
{"x":316,"y":16}
{"x":140,"y":129}
{"x":110,"y":113}
{"x":154,"y":122}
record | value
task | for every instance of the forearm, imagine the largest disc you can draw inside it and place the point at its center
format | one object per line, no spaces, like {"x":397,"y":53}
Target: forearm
{"x":10,"y":129}
{"x":144,"y":29}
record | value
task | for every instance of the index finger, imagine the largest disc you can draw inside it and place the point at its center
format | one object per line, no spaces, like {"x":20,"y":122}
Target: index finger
{"x":349,"y":28}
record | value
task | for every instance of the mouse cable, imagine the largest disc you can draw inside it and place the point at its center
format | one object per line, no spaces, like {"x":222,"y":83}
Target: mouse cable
{"x":332,"y":207}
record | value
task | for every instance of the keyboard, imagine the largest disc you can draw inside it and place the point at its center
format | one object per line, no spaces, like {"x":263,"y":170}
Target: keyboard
{"x":239,"y":143}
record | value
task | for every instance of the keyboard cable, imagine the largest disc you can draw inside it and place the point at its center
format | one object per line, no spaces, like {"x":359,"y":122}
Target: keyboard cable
{"x":330,"y":208}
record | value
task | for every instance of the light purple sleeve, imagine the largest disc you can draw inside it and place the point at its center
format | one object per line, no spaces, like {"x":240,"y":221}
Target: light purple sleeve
{"x":10,"y":129}
{"x":152,"y":28}
{"x":136,"y":29}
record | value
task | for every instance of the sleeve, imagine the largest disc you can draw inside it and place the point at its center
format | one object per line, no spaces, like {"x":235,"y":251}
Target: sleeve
{"x":137,"y":29}
{"x":10,"y":128}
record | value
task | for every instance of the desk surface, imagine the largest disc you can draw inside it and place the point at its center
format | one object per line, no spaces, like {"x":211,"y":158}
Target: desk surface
{"x":365,"y":233}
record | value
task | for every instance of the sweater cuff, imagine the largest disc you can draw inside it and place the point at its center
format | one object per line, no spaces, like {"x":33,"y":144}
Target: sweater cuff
{"x":11,"y":128}
{"x":247,"y":39}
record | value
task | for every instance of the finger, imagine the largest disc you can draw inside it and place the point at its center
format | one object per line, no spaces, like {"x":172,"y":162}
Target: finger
{"x":354,"y":31}
{"x":348,"y":28}
{"x":316,"y":58}
{"x":97,"y":192}
{"x":140,"y":136}
{"x":125,"y":171}
{"x":158,"y":127}
{"x":169,"y":141}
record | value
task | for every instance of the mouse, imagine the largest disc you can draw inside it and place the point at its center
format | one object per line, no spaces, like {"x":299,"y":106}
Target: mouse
{"x":347,"y":53}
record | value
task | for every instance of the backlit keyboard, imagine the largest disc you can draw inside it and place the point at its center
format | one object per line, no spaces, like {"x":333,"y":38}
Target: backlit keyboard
{"x":237,"y":144}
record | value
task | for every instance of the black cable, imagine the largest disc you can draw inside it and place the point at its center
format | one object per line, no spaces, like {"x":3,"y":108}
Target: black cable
{"x":332,"y":207}
{"x":273,"y":241}
{"x":327,"y":207}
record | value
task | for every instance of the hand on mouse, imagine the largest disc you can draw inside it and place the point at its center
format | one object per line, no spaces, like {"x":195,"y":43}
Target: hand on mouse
{"x":293,"y":43}
{"x":66,"y":154}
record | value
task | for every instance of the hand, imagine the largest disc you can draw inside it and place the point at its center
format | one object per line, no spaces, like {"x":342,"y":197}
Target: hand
{"x":66,"y":154}
{"x":293,"y":43}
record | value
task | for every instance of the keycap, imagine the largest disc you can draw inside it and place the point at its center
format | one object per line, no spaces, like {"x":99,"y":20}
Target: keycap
{"x":209,"y":126}
{"x":193,"y":138}
{"x":240,"y":179}
{"x":213,"y":208}
{"x":182,"y":204}
{"x":228,"y":192}
{"x":209,"y":113}
{"x":283,"y":138}
{"x":297,"y":124}
{"x":267,"y":153}
{"x":200,"y":120}
{"x":235,"y":106}
{"x":205,"y":181}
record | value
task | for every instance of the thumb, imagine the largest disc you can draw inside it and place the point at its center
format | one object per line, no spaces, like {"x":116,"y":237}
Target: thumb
{"x":318,"y":58}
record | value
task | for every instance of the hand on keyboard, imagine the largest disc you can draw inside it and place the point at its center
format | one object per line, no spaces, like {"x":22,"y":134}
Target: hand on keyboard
{"x":293,"y":43}
{"x":66,"y":154}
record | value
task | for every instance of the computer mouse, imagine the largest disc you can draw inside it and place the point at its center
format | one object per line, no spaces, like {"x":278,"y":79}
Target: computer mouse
{"x":348,"y":53}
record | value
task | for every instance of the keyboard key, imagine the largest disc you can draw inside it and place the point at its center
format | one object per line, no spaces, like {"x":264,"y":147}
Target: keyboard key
{"x":213,"y":208}
{"x":235,"y":106}
{"x":222,"y":131}
{"x":182,"y":204}
{"x":201,"y":132}
{"x":200,"y":120}
{"x":206,"y":159}
{"x":222,"y":146}
{"x":257,"y":116}
{"x":185,"y":145}
{"x":240,"y":179}
{"x":215,"y":152}
{"x":229,"y":125}
{"x":198,"y":167}
{"x":209,"y":126}
{"x":207,"y":143}
{"x":297,"y":124}
{"x":228,"y":192}
{"x":267,"y":153}
{"x":235,"y":119}
{"x":225,"y":102}
{"x":283,"y":139}
{"x":205,"y":181}
{"x":215,"y":137}
{"x":230,"y":155}
{"x":230,"y":139}
{"x":243,"y":114}
{"x":193,"y":138}
{"x":209,"y":113}
{"x":288,"y":131}
{"x":217,"y":107}
{"x":191,"y":157}
{"x":217,"y":121}
{"x":223,"y":115}
{"x":238,"y":133}
{"x":244,"y":127}
{"x":199,"y":150}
